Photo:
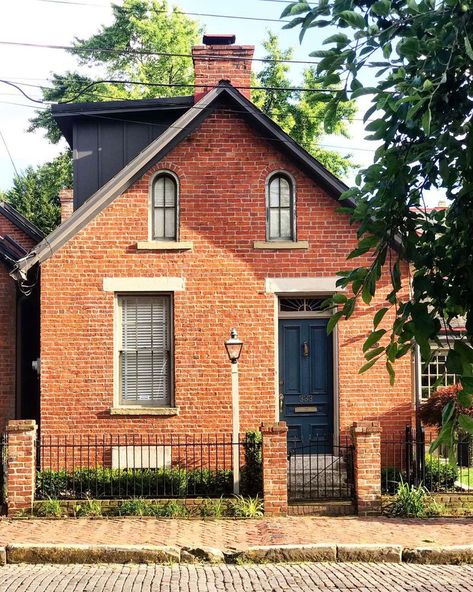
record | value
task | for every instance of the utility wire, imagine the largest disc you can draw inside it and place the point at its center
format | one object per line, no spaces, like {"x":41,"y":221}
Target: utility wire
{"x":9,"y":153}
{"x":140,"y":52}
{"x":202,"y":14}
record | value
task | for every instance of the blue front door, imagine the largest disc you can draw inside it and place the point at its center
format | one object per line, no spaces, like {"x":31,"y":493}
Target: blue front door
{"x":306,"y":383}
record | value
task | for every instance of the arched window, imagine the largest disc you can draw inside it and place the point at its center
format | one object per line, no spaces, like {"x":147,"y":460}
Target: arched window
{"x":280,"y":208}
{"x":164,"y":207}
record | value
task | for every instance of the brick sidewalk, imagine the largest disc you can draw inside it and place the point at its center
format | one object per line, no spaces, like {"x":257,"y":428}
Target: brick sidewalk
{"x":234,"y":534}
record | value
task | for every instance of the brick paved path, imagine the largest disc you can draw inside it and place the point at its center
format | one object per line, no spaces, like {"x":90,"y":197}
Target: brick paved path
{"x":231,"y":534}
{"x":324,"y":577}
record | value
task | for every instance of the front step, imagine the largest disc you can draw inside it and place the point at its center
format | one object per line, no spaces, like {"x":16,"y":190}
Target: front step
{"x":322,"y":508}
{"x":312,"y":476}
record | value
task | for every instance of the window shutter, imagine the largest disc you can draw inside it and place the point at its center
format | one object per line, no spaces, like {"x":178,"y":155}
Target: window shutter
{"x":145,"y":351}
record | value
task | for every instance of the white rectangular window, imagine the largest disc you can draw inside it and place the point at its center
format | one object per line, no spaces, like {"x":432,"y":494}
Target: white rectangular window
{"x":436,"y":369}
{"x":145,"y":361}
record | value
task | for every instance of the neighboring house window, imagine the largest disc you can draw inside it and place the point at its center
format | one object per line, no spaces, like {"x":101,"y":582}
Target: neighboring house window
{"x":436,"y":369}
{"x":280,"y":208}
{"x":145,"y":350}
{"x":165,"y":207}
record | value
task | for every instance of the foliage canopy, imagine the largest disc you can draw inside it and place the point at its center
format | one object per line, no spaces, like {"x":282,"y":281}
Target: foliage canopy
{"x":415,"y":59}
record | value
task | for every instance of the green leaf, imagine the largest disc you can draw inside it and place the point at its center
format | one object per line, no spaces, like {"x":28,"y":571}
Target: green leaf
{"x":333,"y":321}
{"x":466,"y":423}
{"x":465,"y":399}
{"x":447,"y":412}
{"x":340,"y":38}
{"x":382,"y":7}
{"x":352,"y":18}
{"x":367,"y":366}
{"x":426,"y":120}
{"x":468,"y":48}
{"x":444,"y":437}
{"x":295,"y":8}
{"x":454,"y":362}
{"x":339,"y":298}
{"x":374,"y":353}
{"x":392,"y":374}
{"x":378,"y":317}
{"x":373,"y":338}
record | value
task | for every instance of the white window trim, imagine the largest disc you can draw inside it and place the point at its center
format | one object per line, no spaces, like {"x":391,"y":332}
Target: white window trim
{"x":142,"y":284}
{"x":151,"y":205}
{"x":294,"y":205}
{"x":118,"y":408}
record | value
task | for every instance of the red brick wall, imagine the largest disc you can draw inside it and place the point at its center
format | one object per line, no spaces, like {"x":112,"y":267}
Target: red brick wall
{"x":8,"y":327}
{"x":222,"y":168}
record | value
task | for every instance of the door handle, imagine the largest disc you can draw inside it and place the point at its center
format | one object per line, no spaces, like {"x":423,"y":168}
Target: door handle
{"x":281,"y":402}
{"x":305,"y":349}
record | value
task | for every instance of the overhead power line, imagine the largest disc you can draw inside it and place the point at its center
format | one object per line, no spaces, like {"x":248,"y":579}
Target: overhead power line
{"x":165,"y":54}
{"x":9,"y":153}
{"x":200,"y":14}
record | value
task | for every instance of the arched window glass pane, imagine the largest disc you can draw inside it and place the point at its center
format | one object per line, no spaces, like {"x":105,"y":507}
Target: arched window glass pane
{"x":164,"y":208}
{"x":280,"y":208}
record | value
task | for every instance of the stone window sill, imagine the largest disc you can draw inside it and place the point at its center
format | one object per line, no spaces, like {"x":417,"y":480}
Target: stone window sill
{"x":164,"y":246}
{"x":165,"y":411}
{"x":281,"y":245}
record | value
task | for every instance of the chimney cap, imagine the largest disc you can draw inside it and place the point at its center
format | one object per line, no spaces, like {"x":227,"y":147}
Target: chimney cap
{"x":219,"y":39}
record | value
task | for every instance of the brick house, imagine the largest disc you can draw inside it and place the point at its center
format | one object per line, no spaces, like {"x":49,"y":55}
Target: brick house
{"x":18,"y":316}
{"x":189,"y":216}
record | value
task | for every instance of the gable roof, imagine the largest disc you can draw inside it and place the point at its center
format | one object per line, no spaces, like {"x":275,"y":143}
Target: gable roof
{"x":10,"y":251}
{"x":20,"y":221}
{"x":183,"y":127}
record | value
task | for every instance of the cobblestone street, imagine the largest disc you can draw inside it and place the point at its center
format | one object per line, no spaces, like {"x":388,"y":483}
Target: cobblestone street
{"x":322,"y":577}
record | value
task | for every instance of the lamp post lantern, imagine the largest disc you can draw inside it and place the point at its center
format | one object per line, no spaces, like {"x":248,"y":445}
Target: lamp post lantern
{"x":234,"y":346}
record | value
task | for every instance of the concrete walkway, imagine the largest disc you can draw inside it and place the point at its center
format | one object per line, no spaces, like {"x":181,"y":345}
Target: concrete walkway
{"x":241,"y":534}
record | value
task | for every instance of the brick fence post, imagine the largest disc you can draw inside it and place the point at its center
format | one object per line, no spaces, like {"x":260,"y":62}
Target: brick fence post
{"x":20,"y":468}
{"x":367,"y":464}
{"x":274,"y":468}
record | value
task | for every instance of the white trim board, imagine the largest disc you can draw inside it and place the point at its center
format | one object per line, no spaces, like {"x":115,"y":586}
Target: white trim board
{"x":141,"y":284}
{"x":322,"y":285}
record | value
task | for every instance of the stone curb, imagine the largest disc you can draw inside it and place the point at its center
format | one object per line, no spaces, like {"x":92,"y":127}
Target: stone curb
{"x":454,"y":555}
{"x":35,"y":553}
{"x":52,"y":553}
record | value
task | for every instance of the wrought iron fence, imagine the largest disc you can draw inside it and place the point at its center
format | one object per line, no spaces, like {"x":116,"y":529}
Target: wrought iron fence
{"x":3,"y":462}
{"x":409,"y":459}
{"x":116,"y":467}
{"x":320,"y":470}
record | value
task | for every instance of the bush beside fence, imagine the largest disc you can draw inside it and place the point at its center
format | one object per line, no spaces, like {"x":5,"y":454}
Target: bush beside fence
{"x":126,"y":467}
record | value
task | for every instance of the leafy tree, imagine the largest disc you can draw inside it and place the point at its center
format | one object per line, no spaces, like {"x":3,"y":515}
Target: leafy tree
{"x":303,"y":115}
{"x":418,"y":58}
{"x":35,"y":192}
{"x":138,"y":26}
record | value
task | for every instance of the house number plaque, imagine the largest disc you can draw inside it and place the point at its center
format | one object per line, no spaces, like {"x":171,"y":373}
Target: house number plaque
{"x":306,"y":398}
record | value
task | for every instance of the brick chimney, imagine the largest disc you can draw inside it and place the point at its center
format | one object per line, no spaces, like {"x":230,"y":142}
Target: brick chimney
{"x":67,"y":205}
{"x":220,"y":59}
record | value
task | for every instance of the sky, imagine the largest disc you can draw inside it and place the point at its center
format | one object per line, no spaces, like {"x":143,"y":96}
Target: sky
{"x":56,"y":22}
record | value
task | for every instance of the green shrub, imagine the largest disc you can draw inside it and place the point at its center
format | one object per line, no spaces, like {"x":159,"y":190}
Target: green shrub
{"x":172,"y":509}
{"x":137,"y":507}
{"x":213,"y":508}
{"x":412,"y":502}
{"x":252,"y":473}
{"x":247,"y":507}
{"x":50,"y":508}
{"x":390,"y":479}
{"x":91,"y":508}
{"x":440,"y":475}
{"x":128,"y":483}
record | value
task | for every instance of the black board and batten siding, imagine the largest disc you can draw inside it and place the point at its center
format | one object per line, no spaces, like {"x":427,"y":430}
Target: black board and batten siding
{"x":105,"y":137}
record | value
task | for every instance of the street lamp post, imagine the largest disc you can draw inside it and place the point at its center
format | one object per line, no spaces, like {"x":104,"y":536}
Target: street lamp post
{"x":234,"y":346}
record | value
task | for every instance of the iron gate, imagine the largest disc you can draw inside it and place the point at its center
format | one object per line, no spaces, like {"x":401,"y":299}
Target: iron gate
{"x":315,"y":474}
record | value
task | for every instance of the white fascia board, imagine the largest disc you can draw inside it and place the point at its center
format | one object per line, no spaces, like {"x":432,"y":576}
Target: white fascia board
{"x":317,"y":285}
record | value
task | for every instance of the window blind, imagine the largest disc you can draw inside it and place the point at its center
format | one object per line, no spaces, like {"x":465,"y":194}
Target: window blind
{"x":145,"y":350}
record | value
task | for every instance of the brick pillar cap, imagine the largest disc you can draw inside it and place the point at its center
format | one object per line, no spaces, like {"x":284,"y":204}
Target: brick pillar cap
{"x":279,"y":427}
{"x":21,"y":425}
{"x":366,"y":427}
